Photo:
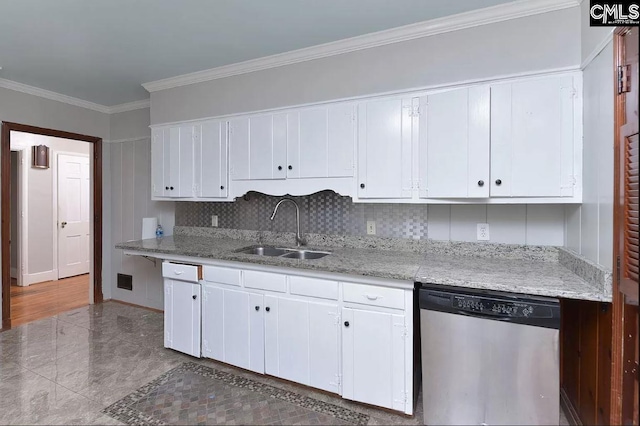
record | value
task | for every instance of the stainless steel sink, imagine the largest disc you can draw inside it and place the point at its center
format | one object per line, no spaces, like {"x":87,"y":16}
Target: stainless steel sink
{"x":289,"y":253}
{"x":264,"y":251}
{"x":306,"y":254}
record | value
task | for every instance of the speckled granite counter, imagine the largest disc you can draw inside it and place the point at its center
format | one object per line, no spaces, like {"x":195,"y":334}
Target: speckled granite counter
{"x":519,"y":269}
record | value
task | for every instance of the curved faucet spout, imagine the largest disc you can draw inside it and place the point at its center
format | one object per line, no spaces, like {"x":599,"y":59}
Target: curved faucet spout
{"x":299,"y":240}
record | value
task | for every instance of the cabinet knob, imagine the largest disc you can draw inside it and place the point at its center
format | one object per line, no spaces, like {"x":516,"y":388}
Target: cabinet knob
{"x":171,"y":188}
{"x":279,"y":167}
{"x":498,"y":182}
{"x":194,"y":297}
{"x":221,"y":186}
{"x":267,"y":309}
{"x":362,"y":185}
{"x":346,"y":323}
{"x":257,"y":308}
{"x":480,"y":183}
{"x":166,"y":188}
{"x":290,"y":167}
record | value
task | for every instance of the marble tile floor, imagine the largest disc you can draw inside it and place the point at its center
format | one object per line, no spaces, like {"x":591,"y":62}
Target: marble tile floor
{"x":66,"y":369}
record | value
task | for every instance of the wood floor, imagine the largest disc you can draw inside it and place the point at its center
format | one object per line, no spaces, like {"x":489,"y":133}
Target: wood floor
{"x":48,"y":298}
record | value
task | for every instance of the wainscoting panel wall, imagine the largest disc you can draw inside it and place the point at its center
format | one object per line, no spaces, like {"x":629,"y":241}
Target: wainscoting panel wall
{"x":130,"y":165}
{"x":329,"y":213}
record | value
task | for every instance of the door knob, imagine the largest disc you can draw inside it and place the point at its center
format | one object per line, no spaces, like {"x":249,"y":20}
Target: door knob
{"x":63,"y":224}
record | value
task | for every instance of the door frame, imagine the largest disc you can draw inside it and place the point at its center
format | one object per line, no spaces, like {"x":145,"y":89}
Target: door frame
{"x":22,"y":226}
{"x":55,"y":208}
{"x":5,"y":208}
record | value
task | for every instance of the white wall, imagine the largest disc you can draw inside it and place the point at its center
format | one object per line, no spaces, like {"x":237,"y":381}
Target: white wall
{"x":590,"y":226}
{"x":32,"y":110}
{"x":40,"y":203}
{"x":130,"y":201}
{"x":535,"y":43}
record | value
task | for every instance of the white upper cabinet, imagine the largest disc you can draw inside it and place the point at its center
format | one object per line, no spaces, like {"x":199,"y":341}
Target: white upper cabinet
{"x":534,"y":133}
{"x":172,"y":161}
{"x":210,"y":162}
{"x":321,"y":142}
{"x":258,"y":147}
{"x":454,"y":150}
{"x":386,"y":129}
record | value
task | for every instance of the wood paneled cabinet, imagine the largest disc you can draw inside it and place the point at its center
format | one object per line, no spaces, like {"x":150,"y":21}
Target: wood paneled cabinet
{"x":182,"y":316}
{"x":386,"y":132}
{"x":302,"y":143}
{"x":514,"y":139}
{"x":189,"y":161}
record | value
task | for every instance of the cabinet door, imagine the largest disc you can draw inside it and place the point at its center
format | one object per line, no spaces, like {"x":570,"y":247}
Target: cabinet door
{"x":373,"y":358}
{"x":157,"y":162}
{"x":292,"y":352}
{"x":457,"y":145}
{"x":182,"y":316}
{"x":258,"y":147}
{"x":178,"y":162}
{"x":532,"y":138}
{"x":384,"y":147}
{"x":321,"y":142}
{"x":212,"y":322}
{"x":211,"y":163}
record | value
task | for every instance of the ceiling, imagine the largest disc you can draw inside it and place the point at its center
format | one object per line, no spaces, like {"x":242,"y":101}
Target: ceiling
{"x":102,"y":51}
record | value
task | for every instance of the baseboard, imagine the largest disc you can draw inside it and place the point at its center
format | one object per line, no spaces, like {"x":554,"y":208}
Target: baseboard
{"x":40,"y":277}
{"x":135,"y":306}
{"x":569,"y":409}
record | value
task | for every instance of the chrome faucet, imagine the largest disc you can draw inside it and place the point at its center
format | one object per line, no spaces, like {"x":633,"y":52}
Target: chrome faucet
{"x":299,"y":240}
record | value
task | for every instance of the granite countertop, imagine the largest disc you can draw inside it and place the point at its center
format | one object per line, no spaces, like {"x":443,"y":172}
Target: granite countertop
{"x":517,"y":269}
{"x":366,"y":262}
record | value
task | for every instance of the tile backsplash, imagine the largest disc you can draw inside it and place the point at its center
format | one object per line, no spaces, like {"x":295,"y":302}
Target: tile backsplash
{"x":326,"y":212}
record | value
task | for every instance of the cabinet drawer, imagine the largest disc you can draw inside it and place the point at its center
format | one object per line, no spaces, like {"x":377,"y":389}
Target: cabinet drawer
{"x":216,"y":274}
{"x":178,"y":271}
{"x":313,"y":287}
{"x":373,"y":295}
{"x":265,"y":281}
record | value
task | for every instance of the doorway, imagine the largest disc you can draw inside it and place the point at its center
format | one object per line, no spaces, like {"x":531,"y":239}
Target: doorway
{"x":74,"y":223}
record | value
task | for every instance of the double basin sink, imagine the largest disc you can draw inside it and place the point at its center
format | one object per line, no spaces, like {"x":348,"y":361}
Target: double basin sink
{"x":288,"y":253}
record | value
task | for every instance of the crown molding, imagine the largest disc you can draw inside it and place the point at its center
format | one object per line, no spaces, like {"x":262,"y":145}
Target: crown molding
{"x":139,"y":138}
{"x":54,"y":96}
{"x":489,"y":15}
{"x":130,"y":106}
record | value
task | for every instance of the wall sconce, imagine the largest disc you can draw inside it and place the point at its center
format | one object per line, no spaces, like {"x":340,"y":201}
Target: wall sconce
{"x":40,"y":154}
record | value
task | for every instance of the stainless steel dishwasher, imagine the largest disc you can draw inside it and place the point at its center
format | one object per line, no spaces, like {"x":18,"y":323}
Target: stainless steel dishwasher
{"x":489,"y":357}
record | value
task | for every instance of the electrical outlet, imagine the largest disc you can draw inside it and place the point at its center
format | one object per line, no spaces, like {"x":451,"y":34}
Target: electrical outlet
{"x":371,"y":227}
{"x":483,"y":232}
{"x":214,"y":220}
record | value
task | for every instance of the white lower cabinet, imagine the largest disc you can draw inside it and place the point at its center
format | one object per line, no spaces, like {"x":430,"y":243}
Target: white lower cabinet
{"x":373,"y":358}
{"x":298,"y":328}
{"x":182,"y":316}
{"x":302,"y":342}
{"x":232,"y":327}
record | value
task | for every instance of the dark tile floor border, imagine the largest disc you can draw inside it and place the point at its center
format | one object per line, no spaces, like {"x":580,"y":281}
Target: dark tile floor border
{"x":122,"y":410}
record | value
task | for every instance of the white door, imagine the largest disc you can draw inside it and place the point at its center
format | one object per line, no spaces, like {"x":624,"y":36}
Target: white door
{"x":182,"y":316}
{"x":211,"y":160}
{"x":321,"y":142}
{"x":385,"y":146}
{"x":158,"y":162}
{"x":532,"y":138}
{"x":74,"y":228}
{"x":373,"y":355}
{"x":455,"y":161}
{"x":293,"y":351}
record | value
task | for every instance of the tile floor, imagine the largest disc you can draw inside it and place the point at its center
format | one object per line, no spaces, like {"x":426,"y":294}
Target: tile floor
{"x":66,"y":369}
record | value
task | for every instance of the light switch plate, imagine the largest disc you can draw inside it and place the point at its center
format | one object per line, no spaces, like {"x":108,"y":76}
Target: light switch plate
{"x":214,"y":220}
{"x":483,"y":232}
{"x":371,"y":227}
